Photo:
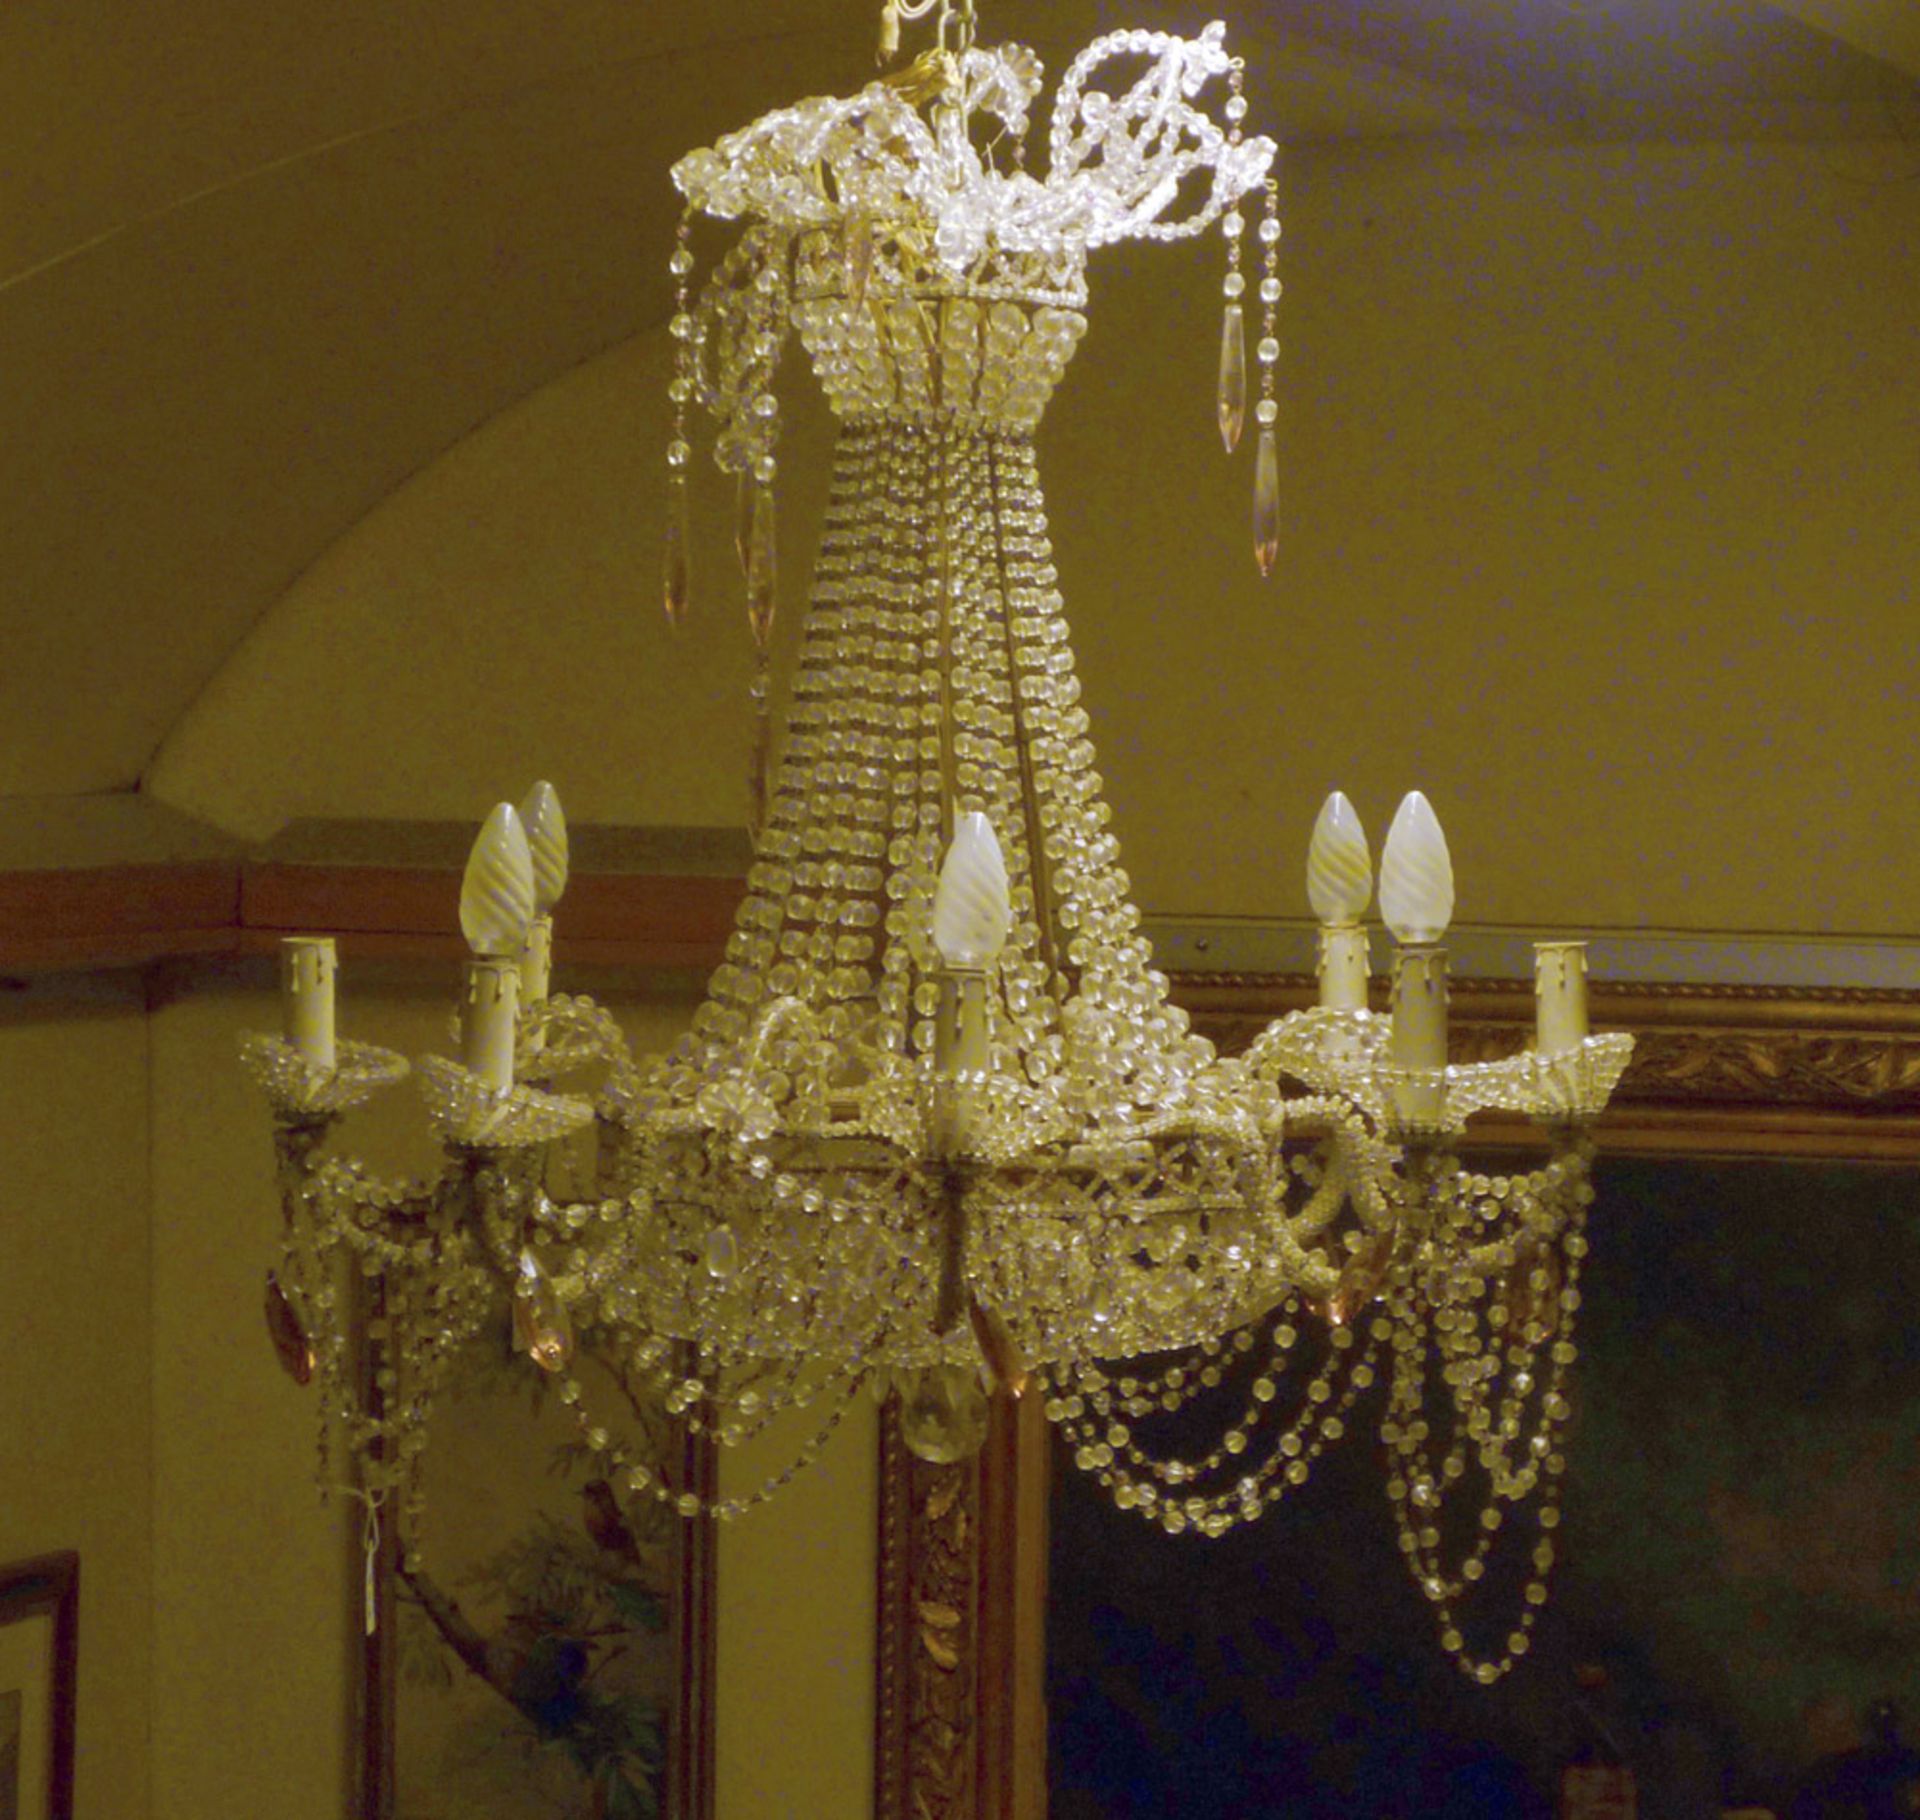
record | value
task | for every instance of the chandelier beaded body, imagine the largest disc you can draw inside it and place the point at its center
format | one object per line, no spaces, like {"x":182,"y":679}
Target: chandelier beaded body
{"x":938,"y":1126}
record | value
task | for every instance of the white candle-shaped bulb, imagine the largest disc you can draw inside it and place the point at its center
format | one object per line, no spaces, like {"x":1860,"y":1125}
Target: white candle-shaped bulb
{"x":306,"y":996}
{"x":1560,"y":996}
{"x":546,"y":825}
{"x":972,"y":910}
{"x":1416,"y":874}
{"x":1339,"y":864}
{"x":497,"y":894}
{"x":972,"y":913}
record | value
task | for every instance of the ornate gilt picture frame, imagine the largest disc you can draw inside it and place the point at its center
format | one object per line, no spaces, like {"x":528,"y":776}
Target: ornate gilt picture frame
{"x":584,"y":1572}
{"x":1737,"y":1071}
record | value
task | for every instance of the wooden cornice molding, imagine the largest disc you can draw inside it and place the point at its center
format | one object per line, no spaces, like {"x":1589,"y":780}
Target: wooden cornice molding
{"x":116,"y":916}
{"x":131,"y":916}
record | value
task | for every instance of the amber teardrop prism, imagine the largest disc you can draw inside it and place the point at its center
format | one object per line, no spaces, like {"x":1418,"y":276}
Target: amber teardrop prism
{"x":1233,"y":376}
{"x":1266,"y":505}
{"x":541,"y":1328}
{"x":999,"y":1350}
{"x":1363,"y":1281}
{"x":291,"y":1346}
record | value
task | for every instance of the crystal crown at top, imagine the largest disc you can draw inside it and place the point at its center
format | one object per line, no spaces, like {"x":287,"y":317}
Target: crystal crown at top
{"x":924,"y":277}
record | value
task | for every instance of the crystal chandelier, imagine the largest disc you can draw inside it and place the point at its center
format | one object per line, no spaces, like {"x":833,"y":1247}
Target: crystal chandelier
{"x":937,"y":1128}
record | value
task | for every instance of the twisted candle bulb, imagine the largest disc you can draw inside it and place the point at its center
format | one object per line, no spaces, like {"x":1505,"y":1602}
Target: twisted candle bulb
{"x":1416,"y":874}
{"x":971,"y":910}
{"x":1339,"y":864}
{"x":497,"y":895}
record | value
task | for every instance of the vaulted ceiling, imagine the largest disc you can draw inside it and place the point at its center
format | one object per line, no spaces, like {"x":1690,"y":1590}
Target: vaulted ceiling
{"x":260,"y":262}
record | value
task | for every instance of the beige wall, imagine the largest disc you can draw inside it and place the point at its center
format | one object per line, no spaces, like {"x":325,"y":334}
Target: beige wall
{"x":76,"y":1363}
{"x":250,"y":1598}
{"x":1601,"y":525}
{"x":144,"y":1423}
{"x":798,"y":1579}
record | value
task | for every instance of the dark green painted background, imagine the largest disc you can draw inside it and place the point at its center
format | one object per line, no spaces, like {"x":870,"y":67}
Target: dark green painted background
{"x":1742,"y":1549}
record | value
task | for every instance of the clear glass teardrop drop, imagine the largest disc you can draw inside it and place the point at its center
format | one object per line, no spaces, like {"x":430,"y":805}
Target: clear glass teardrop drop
{"x":1233,"y":376}
{"x":759,"y":783}
{"x":743,"y":502}
{"x":723,"y":1252}
{"x":676,"y":569}
{"x":859,"y":260}
{"x":1266,"y":505}
{"x":762,"y":567}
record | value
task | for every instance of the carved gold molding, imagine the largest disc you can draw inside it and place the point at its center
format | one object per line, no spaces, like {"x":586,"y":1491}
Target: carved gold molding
{"x":1759,"y":1070}
{"x":928,"y":1646}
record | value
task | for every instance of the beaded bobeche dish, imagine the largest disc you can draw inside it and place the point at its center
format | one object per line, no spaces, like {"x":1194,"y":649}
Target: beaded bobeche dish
{"x":938,"y":1126}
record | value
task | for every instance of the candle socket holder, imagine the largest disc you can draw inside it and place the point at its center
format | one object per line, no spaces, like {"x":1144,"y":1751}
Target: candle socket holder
{"x":961,"y":1043}
{"x":487,"y":1022}
{"x":1344,"y":968}
{"x":1560,"y":996}
{"x":1417,"y":1043}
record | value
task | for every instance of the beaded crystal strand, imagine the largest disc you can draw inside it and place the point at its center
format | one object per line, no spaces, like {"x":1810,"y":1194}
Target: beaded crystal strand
{"x":1266,"y":476}
{"x":757,"y":538}
{"x":762,"y":579}
{"x":1232,"y":401}
{"x":677,"y":561}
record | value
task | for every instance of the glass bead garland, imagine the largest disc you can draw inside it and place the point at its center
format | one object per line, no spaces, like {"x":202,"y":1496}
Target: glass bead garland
{"x":1231,"y":403}
{"x":1266,"y":475}
{"x":676,"y":568}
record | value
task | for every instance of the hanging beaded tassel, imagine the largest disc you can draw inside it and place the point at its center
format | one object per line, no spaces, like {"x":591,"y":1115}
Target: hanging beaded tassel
{"x":743,"y":500}
{"x":762,"y":588}
{"x":1266,"y":476}
{"x":760,"y":757}
{"x":755,"y":532}
{"x":677,"y":562}
{"x":762,"y":558}
{"x":1232,"y":399}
